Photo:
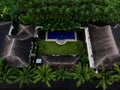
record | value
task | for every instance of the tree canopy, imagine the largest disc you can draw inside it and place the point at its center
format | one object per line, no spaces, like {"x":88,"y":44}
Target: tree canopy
{"x":60,"y":14}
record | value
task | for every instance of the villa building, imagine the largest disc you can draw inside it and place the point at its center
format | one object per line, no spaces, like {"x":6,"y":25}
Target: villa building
{"x":103,"y":45}
{"x":16,"y":52}
{"x":16,"y":49}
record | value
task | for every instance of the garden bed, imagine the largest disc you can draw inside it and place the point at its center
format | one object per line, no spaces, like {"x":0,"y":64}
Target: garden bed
{"x":69,"y":48}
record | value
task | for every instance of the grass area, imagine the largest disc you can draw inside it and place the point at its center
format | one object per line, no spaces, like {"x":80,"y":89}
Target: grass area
{"x":67,"y":49}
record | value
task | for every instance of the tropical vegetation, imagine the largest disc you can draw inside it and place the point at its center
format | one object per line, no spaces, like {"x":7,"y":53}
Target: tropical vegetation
{"x":63,"y":74}
{"x":60,"y":14}
{"x":83,"y":73}
{"x":24,"y":76}
{"x":6,"y":74}
{"x":45,"y":74}
{"x":106,"y":78}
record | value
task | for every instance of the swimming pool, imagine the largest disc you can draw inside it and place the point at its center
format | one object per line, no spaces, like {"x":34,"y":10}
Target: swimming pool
{"x":61,"y":35}
{"x":66,"y":36}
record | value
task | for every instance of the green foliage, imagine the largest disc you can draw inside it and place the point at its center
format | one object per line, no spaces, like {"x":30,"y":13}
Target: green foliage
{"x":6,"y":74}
{"x":117,"y":69}
{"x":45,"y":74}
{"x":63,"y":74}
{"x":106,"y":78}
{"x":1,"y":64}
{"x":83,"y":73}
{"x":10,"y":9}
{"x":26,"y":19}
{"x":84,"y":59}
{"x":67,"y":49}
{"x":60,"y":14}
{"x":25,"y":76}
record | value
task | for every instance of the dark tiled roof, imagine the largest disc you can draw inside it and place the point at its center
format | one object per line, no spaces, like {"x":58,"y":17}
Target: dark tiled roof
{"x":4,"y":30}
{"x":116,"y":34}
{"x":16,"y":52}
{"x":60,"y":60}
{"x":104,"y":45}
{"x":26,"y":31}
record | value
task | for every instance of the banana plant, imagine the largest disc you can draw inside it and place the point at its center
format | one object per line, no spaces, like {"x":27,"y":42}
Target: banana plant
{"x":83,"y":73}
{"x":117,"y":69}
{"x":63,"y":74}
{"x":105,"y":78}
{"x":6,"y":74}
{"x":44,"y":74}
{"x":25,"y":76}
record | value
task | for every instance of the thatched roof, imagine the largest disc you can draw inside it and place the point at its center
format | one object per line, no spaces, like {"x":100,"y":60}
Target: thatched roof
{"x":105,"y":45}
{"x":116,"y":34}
{"x":4,"y":30}
{"x":16,"y":52}
{"x":67,"y":60}
{"x":25,"y":31}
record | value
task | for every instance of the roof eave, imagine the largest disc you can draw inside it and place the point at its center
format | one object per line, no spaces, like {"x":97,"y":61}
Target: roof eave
{"x":89,"y":48}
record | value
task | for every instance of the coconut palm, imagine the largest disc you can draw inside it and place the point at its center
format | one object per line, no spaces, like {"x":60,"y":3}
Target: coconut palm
{"x":82,"y":74}
{"x":25,"y":76}
{"x":6,"y":74}
{"x":45,"y":74}
{"x":62,"y":74}
{"x":117,"y":69}
{"x":106,"y":78}
{"x":1,"y":64}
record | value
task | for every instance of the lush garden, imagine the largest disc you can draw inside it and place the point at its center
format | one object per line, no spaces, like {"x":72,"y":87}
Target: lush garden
{"x":59,"y":15}
{"x":45,"y":74}
{"x":70,"y":48}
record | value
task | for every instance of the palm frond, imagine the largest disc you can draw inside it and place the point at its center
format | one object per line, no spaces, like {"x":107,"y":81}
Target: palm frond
{"x":82,"y":74}
{"x":62,"y":74}
{"x":25,"y":76}
{"x":106,"y":78}
{"x":45,"y":74}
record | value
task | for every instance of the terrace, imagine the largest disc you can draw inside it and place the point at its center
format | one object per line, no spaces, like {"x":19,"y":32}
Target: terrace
{"x":52,"y":47}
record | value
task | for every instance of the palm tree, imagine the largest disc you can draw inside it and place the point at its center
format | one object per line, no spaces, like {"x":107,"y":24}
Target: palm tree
{"x":6,"y":74}
{"x":45,"y":74}
{"x":1,"y":64}
{"x":25,"y":76}
{"x":117,"y":69}
{"x":82,"y":74}
{"x":106,"y":78}
{"x":62,"y":74}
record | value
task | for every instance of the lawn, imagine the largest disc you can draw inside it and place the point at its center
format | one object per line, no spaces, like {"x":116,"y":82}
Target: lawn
{"x":69,"y":48}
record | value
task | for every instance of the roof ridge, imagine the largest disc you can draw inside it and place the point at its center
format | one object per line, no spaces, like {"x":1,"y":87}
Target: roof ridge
{"x":100,"y":61}
{"x":4,"y":23}
{"x":11,"y":46}
{"x":24,"y":63}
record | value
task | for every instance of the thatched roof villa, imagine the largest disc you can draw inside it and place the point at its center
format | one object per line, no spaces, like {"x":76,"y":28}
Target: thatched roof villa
{"x":103,"y":45}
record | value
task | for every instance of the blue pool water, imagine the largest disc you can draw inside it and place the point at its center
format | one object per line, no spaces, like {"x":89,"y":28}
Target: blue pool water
{"x":61,"y":35}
